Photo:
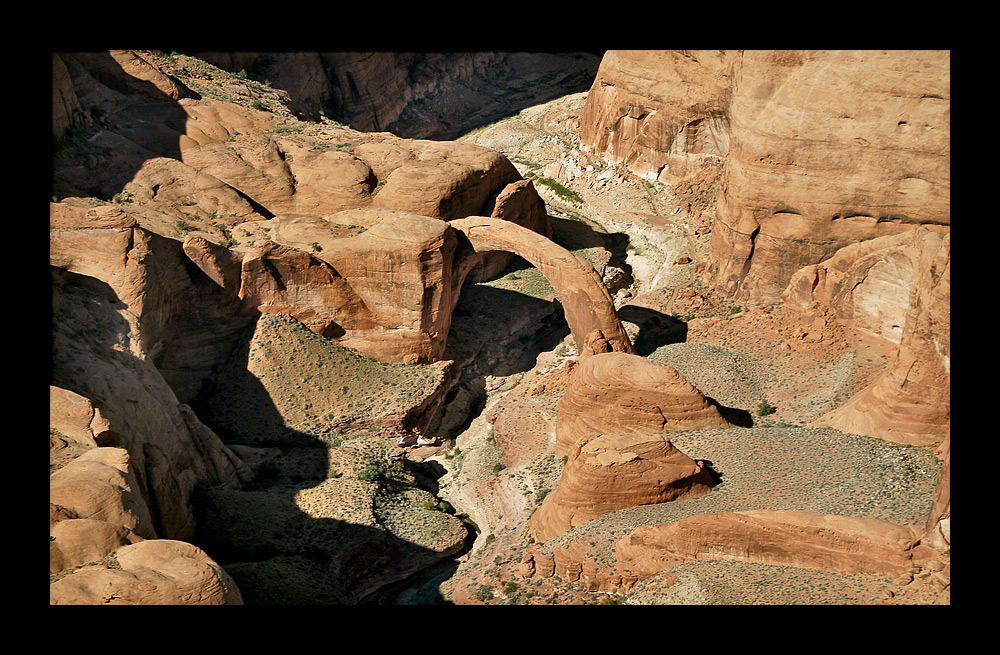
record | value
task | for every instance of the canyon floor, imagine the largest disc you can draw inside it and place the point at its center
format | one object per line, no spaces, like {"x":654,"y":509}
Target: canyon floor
{"x":489,"y":460}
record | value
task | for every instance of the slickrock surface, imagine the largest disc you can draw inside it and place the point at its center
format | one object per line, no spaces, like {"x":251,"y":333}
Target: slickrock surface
{"x":617,"y":392}
{"x":827,"y":148}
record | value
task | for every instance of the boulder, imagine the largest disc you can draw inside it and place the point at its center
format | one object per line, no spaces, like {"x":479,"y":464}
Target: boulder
{"x":617,"y":471}
{"x":612,"y":393}
{"x":154,"y":572}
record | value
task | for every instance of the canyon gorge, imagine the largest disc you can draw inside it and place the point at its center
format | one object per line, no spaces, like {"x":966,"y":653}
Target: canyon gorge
{"x":613,"y":327}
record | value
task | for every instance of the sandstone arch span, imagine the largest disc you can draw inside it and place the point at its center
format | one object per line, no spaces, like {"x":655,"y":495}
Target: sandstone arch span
{"x":586,"y":302}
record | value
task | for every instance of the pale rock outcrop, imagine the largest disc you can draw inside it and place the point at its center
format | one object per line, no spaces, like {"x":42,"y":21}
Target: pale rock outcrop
{"x":166,"y":181}
{"x":98,"y":492}
{"x":446,"y":180}
{"x":154,"y":572}
{"x":867,"y":285}
{"x":612,"y":425}
{"x":839,"y":544}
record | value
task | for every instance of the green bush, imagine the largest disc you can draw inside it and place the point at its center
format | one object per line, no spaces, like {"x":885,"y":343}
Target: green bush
{"x":765,"y":408}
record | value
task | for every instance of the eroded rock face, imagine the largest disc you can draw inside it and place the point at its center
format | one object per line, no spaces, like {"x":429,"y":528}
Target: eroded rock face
{"x":425,"y":95}
{"x":612,"y":425}
{"x":911,"y":402}
{"x":378,"y":281}
{"x":101,"y":353}
{"x":155,"y":572}
{"x":659,"y":112}
{"x":828,"y":148}
{"x":822,"y":148}
{"x":868,"y":285}
{"x":804,"y":539}
{"x":617,"y":471}
{"x":618,"y":393}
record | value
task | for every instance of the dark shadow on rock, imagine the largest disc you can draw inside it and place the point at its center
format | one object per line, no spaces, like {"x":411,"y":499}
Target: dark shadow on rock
{"x":277,"y":553}
{"x":738,"y":417}
{"x":578,"y":235}
{"x":481,"y":343}
{"x":655,"y":328}
{"x":715,"y":475}
{"x":127,"y":121}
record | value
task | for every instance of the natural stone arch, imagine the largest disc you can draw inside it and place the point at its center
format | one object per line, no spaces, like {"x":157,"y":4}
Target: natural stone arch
{"x":586,"y":302}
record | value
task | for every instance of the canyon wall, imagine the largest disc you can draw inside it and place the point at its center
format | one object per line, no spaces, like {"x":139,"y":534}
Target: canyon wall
{"x":828,"y":148}
{"x":660,"y":113}
{"x":423,"y":95}
{"x":821,"y":149}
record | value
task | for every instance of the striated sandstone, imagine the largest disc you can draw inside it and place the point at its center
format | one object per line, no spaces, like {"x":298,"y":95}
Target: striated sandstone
{"x":615,"y":471}
{"x":911,"y":401}
{"x":378,"y":280}
{"x":611,"y":425}
{"x":101,"y":485}
{"x":659,"y":112}
{"x":620,"y":393}
{"x":804,"y":539}
{"x":828,"y":148}
{"x":867,"y":285}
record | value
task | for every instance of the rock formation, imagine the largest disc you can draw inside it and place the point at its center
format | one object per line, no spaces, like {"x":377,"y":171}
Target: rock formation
{"x":822,"y":148}
{"x":803,"y":539}
{"x":222,"y":211}
{"x":155,"y":572}
{"x":828,"y":148}
{"x":911,"y":401}
{"x":612,"y":425}
{"x":660,"y":113}
{"x":586,"y":302}
{"x":619,"y":393}
{"x":424,"y":95}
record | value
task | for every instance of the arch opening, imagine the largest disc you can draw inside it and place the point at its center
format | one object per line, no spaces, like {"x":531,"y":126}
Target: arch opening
{"x":587,"y":304}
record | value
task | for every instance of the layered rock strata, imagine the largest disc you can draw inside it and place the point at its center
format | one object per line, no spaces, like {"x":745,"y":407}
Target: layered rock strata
{"x":620,"y":393}
{"x":839,"y":544}
{"x":911,"y":401}
{"x":659,"y":112}
{"x":828,"y":148}
{"x":612,"y":425}
{"x":821,"y":148}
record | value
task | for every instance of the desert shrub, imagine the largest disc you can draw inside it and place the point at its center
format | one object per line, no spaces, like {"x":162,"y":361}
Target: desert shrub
{"x":765,"y":408}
